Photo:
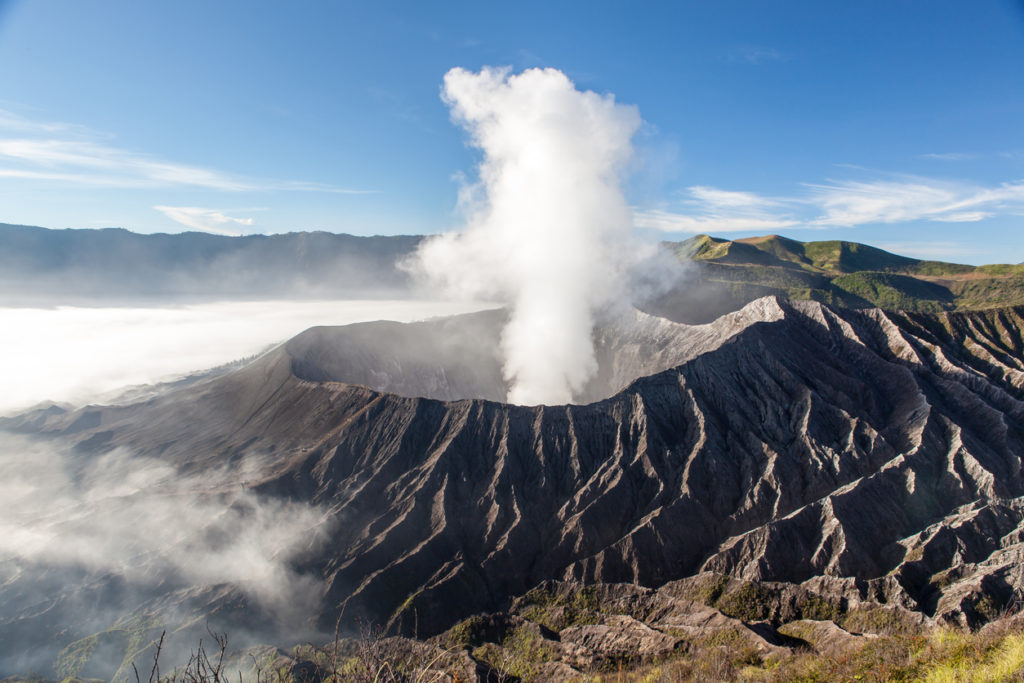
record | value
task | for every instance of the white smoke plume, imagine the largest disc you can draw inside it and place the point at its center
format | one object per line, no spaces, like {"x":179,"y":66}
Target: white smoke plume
{"x":548,"y":230}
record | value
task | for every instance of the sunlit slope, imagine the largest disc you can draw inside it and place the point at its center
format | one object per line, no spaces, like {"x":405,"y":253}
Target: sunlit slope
{"x":847,"y":274}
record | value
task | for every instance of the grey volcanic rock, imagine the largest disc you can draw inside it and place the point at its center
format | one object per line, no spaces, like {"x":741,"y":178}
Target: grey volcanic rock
{"x":601,"y":627}
{"x":618,"y":637}
{"x":869,"y":456}
{"x":825,"y":636}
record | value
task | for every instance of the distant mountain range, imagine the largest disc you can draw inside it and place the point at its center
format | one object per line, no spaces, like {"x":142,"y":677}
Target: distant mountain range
{"x":110,"y":266}
{"x":42,"y":266}
{"x":39,"y":265}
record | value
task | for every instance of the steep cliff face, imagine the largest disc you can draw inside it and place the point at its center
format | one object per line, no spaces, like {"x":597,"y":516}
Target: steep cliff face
{"x":866,"y":455}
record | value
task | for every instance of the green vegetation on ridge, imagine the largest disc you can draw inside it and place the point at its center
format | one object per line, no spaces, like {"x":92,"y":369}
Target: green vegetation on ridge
{"x":847,"y":274}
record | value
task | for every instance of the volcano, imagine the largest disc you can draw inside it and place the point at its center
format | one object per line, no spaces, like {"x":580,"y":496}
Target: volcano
{"x":863,"y":455}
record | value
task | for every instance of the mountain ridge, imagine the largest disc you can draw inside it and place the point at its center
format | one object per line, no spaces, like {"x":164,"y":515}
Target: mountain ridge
{"x":841,"y":273}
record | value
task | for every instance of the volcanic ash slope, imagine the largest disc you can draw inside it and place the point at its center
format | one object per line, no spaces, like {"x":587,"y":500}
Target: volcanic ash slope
{"x":867,"y":455}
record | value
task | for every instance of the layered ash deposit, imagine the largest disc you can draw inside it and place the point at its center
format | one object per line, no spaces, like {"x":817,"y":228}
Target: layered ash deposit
{"x":865,"y":456}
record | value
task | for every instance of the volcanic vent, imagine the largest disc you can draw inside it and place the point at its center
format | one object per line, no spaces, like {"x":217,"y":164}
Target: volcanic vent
{"x":457,"y":358}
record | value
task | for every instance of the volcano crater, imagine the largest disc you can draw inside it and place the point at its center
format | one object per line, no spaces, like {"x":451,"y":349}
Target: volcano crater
{"x":459,"y":357}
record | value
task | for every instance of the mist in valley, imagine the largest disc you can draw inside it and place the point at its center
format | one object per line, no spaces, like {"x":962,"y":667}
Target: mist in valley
{"x":78,"y":355}
{"x":117,"y":544}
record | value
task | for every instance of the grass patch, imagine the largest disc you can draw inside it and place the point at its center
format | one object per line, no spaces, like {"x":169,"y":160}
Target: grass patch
{"x":558,"y":611}
{"x":880,"y":621}
{"x":1003,"y":662}
{"x":896,"y":292}
{"x":750,"y":602}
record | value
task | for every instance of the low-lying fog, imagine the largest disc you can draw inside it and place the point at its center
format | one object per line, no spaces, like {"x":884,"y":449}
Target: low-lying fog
{"x":78,"y":355}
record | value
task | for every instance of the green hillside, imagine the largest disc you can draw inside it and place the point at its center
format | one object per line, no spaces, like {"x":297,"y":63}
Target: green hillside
{"x":844,"y":273}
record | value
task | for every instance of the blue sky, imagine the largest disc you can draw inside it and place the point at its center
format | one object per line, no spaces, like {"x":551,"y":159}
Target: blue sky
{"x":898,"y":124}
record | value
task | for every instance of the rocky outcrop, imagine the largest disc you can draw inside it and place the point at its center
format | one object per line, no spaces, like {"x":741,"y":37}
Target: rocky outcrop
{"x":865,"y":456}
{"x":567,"y":630}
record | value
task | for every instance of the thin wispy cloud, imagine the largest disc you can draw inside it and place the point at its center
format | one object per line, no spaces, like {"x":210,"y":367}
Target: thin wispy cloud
{"x":74,"y":155}
{"x":755,"y":54}
{"x":93,"y":164}
{"x":10,"y":121}
{"x":715,"y":210}
{"x":729,"y":199}
{"x":206,"y":220}
{"x":969,"y":156}
{"x":950,"y":156}
{"x":848,"y":204}
{"x":666,"y":221}
{"x":837,"y":204}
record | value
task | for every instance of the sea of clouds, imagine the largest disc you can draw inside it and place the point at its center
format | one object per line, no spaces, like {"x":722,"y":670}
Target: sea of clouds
{"x":80,"y":355}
